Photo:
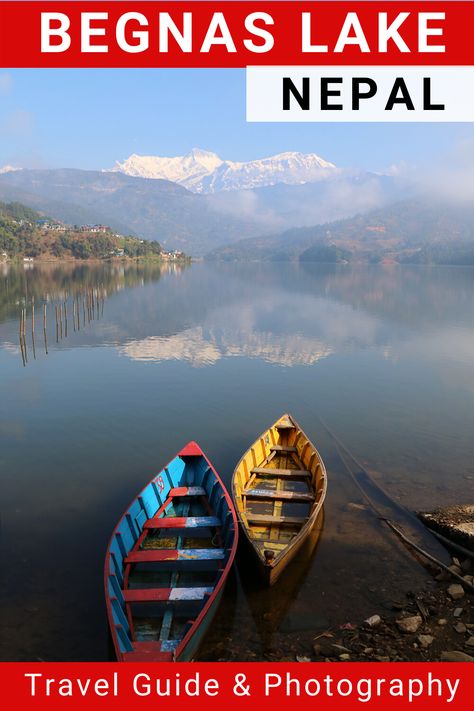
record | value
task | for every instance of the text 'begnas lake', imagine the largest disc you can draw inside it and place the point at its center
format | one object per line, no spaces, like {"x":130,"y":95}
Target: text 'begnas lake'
{"x":131,"y":32}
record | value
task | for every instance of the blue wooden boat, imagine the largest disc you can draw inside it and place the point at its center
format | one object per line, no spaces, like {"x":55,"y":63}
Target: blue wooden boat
{"x":168,"y":560}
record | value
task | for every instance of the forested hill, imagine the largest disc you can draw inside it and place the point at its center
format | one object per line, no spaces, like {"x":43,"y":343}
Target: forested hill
{"x":422,"y":231}
{"x":27,"y":233}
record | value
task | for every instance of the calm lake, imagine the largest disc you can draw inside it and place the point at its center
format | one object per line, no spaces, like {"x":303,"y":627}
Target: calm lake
{"x":216,"y":352}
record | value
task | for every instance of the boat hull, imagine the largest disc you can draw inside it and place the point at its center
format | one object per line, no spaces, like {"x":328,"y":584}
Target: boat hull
{"x":284,"y":471}
{"x":192,"y":647}
{"x":168,"y":560}
{"x":271,"y":574}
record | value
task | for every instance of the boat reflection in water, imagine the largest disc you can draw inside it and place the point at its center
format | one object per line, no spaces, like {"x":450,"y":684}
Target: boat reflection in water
{"x":214,"y":353}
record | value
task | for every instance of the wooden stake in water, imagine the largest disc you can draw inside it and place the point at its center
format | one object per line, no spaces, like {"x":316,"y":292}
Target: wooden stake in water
{"x":65,"y":318}
{"x":33,"y":326}
{"x":57,"y":324}
{"x":20,"y":334}
{"x":25,"y":350}
{"x":44,"y":330}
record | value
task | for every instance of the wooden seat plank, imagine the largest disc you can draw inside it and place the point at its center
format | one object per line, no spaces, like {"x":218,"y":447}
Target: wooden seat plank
{"x":163,"y":555}
{"x":278,"y":495}
{"x":165,"y":594}
{"x":263,"y":519}
{"x":187,"y":491}
{"x":182,"y":522}
{"x":283,"y":473}
{"x":283,"y":448}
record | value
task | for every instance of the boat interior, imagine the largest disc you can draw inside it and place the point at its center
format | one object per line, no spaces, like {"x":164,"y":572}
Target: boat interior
{"x":167,"y":556}
{"x":277,"y":484}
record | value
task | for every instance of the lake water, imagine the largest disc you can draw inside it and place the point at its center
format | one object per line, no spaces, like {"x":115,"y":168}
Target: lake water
{"x":216,"y":352}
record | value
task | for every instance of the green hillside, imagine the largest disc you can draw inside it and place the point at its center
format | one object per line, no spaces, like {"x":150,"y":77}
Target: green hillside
{"x":422,"y":231}
{"x":27,"y":233}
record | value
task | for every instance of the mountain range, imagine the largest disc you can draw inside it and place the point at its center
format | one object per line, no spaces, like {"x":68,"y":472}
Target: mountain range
{"x":291,"y":206}
{"x":196,"y":223}
{"x":205,"y":172}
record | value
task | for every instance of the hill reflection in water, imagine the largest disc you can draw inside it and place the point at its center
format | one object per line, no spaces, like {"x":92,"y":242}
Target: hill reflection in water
{"x":215,"y":353}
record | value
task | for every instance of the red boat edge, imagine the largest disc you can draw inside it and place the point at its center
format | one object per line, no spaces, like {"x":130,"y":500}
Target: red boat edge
{"x":187,"y":646}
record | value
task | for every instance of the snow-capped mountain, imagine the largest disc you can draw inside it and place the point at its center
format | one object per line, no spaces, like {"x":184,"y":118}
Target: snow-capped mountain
{"x":204,"y":172}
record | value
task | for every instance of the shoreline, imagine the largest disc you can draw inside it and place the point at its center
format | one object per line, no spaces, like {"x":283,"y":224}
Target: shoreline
{"x":432,"y":624}
{"x":17,"y":261}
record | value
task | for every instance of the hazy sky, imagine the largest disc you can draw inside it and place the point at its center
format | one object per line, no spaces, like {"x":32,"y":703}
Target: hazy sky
{"x":90,"y":118}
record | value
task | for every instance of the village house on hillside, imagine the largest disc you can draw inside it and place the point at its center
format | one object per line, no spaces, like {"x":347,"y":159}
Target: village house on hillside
{"x":61,"y":227}
{"x":171,"y":256}
{"x":49,"y":225}
{"x":95,"y":228}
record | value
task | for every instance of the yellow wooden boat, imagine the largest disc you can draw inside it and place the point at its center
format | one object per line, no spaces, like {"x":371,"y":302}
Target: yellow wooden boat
{"x":279,"y":487}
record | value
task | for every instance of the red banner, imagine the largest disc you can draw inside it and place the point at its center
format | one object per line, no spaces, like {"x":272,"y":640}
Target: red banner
{"x":234,"y":34}
{"x":237,"y":685}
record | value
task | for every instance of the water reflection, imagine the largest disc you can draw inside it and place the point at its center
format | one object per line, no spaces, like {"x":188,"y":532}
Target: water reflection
{"x":201,"y":346}
{"x":287,"y":315}
{"x":66,"y":295}
{"x":214,"y":353}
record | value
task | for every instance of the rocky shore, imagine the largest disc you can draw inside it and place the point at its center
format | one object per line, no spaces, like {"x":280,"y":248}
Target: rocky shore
{"x":436,"y":624}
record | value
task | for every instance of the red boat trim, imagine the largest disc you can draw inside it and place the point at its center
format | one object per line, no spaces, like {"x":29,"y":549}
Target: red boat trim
{"x":164,"y":594}
{"x":191,"y":449}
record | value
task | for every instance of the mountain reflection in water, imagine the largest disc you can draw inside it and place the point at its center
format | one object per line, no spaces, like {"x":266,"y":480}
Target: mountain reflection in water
{"x":216,"y":352}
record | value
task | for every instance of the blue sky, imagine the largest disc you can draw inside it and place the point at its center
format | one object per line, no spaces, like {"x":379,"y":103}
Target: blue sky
{"x":90,"y":118}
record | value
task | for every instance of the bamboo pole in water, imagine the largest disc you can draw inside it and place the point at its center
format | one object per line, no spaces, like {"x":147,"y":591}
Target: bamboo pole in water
{"x":24,"y":335}
{"x":20,"y":335}
{"x":57,"y":323}
{"x":22,"y":351}
{"x":65,"y":318}
{"x":33,"y":326}
{"x":44,"y":330}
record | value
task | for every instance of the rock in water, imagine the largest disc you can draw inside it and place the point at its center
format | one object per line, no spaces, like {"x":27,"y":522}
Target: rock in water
{"x":454,"y":522}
